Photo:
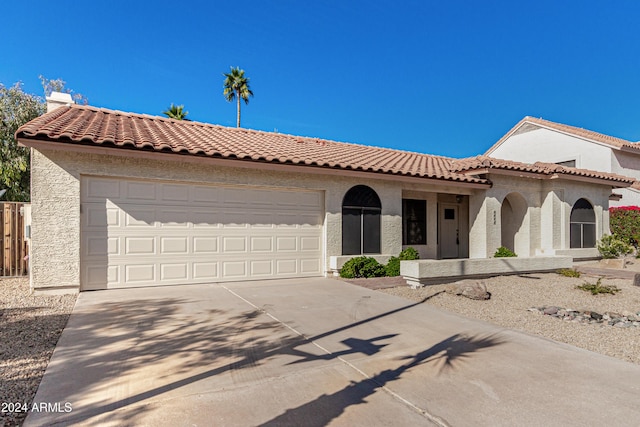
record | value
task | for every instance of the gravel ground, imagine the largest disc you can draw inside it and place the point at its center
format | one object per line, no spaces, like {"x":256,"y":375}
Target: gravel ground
{"x":29,"y":330}
{"x":511,"y":296}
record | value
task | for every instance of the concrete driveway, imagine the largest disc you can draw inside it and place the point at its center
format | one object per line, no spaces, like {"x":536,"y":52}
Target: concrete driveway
{"x":315,"y":352}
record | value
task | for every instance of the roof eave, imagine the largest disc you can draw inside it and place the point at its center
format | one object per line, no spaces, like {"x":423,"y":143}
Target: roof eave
{"x":47,"y":144}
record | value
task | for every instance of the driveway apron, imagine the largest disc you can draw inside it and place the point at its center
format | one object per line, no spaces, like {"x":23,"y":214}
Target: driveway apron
{"x":315,"y":352}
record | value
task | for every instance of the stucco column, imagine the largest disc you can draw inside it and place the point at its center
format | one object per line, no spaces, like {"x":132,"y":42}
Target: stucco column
{"x":484,"y":225}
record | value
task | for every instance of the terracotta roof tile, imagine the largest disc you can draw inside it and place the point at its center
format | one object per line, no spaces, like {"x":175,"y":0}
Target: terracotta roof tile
{"x":486,"y":162}
{"x":95,"y":126}
{"x":611,"y":141}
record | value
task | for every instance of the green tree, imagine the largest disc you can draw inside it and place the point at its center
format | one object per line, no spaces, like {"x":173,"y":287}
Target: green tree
{"x":16,"y":109}
{"x":236,"y":86}
{"x":176,"y":112}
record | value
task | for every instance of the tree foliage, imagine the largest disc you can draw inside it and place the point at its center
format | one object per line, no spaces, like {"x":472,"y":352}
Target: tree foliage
{"x":236,"y":86}
{"x":16,"y":109}
{"x":176,"y":112}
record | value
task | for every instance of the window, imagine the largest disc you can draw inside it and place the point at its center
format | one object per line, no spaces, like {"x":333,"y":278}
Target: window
{"x":414,"y":222}
{"x":569,"y":163}
{"x":361,"y":221}
{"x":582,"y":225}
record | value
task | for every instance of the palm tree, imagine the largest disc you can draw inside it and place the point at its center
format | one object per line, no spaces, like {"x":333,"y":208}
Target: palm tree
{"x":176,"y":112}
{"x":236,"y":86}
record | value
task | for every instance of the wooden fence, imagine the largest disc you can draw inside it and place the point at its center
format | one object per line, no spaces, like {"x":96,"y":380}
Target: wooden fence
{"x":14,"y":246}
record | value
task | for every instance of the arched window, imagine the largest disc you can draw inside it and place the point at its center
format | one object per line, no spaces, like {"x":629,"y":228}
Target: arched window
{"x":583,"y":225}
{"x":361,"y":221}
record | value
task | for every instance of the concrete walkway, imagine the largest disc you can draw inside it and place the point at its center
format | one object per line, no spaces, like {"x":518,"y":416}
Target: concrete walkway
{"x":315,"y":352}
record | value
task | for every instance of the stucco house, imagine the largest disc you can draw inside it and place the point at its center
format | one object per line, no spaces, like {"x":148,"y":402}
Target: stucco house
{"x":534,"y":139}
{"x":124,"y":200}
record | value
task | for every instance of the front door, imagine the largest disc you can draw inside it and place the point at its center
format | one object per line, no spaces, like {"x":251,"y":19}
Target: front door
{"x":449,"y":231}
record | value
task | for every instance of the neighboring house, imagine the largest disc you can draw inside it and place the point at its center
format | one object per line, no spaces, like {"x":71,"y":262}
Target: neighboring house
{"x":533,"y":140}
{"x":122,"y":200}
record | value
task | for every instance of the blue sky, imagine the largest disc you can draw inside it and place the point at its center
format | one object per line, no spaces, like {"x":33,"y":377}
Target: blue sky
{"x":439,"y":77}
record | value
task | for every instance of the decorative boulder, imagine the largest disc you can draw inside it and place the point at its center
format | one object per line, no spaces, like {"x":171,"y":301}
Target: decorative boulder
{"x":473,"y":289}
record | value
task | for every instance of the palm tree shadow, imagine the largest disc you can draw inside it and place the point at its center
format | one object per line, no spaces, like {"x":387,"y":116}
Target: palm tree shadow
{"x":328,"y":407}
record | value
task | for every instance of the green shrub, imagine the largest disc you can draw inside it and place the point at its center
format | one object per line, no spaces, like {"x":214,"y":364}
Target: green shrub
{"x":624,"y":223}
{"x":598,"y":288}
{"x":568,"y":272}
{"x":393,"y":267}
{"x":409,"y":254}
{"x":362,"y":266}
{"x":611,"y":247}
{"x":503,"y":252}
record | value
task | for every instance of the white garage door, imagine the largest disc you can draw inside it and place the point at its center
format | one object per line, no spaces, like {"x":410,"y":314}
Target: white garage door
{"x":141,"y":233}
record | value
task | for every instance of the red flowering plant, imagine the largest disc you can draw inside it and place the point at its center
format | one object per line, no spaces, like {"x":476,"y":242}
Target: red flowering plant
{"x":624,"y":222}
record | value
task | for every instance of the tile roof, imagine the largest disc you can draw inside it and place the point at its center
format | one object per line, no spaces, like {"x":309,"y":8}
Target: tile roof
{"x":90,"y":126}
{"x":611,"y":141}
{"x":86,"y":125}
{"x":548,"y":169}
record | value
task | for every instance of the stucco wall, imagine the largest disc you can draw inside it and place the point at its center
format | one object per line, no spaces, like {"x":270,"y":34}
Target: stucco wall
{"x":626,"y":164}
{"x":543,"y":145}
{"x":56,"y":175}
{"x":547,"y":218}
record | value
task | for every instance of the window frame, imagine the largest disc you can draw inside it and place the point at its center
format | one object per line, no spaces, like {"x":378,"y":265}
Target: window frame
{"x":590,"y":224}
{"x":361,"y":201}
{"x":414,"y":212}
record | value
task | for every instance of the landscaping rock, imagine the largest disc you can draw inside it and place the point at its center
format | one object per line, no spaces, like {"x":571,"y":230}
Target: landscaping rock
{"x":476,"y":290}
{"x":636,"y":279}
{"x":625,"y":320}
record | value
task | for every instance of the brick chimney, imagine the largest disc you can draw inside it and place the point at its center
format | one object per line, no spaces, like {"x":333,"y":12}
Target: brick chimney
{"x":58,"y":99}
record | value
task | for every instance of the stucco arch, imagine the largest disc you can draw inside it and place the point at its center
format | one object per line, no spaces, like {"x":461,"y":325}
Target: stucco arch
{"x":514,"y":221}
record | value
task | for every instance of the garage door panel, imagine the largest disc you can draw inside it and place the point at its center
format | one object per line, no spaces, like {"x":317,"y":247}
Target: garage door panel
{"x":234,"y":269}
{"x":172,"y":218}
{"x":205,"y":245}
{"x":286,"y":244}
{"x":97,"y":190}
{"x":208,"y":195}
{"x":145,"y":273}
{"x":139,"y":217}
{"x":140,"y":190}
{"x":97,"y":216}
{"x":262,"y":268}
{"x":204,"y":219}
{"x":286,"y":266}
{"x":139,"y":233}
{"x":174,"y":245}
{"x":261,"y":244}
{"x":174,"y":272}
{"x":140,"y":245}
{"x":173,"y":193}
{"x":310,"y":200}
{"x":205,"y":271}
{"x":309,"y":244}
{"x":310,"y":266}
